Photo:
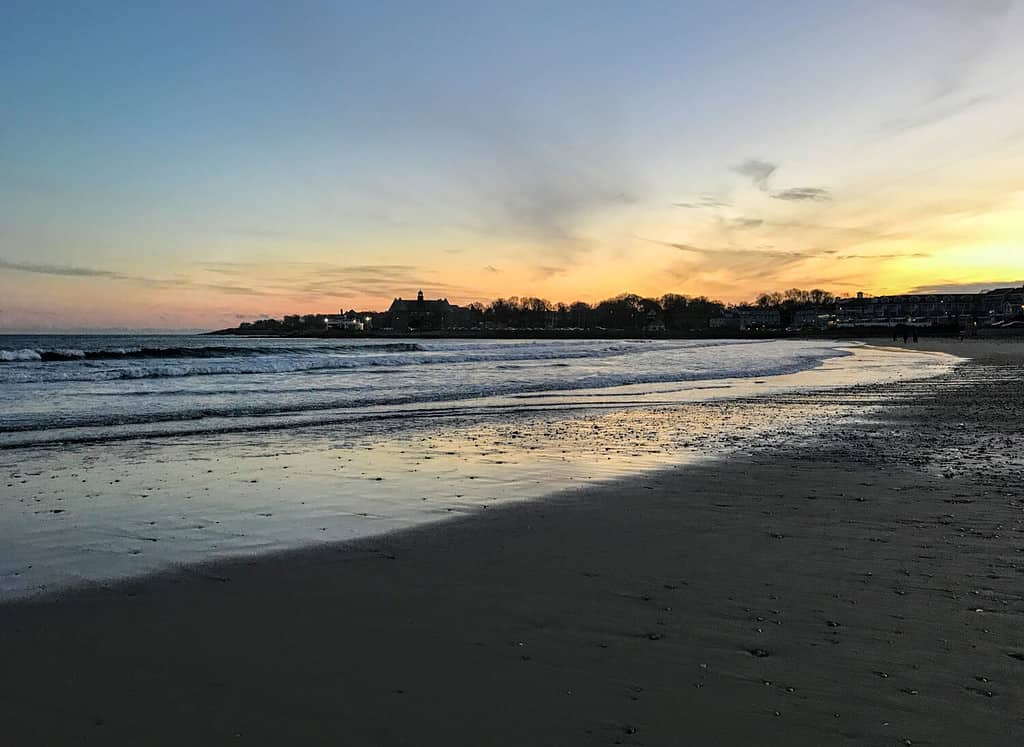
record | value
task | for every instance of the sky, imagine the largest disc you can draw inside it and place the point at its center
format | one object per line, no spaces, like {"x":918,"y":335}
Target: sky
{"x":174,"y":165}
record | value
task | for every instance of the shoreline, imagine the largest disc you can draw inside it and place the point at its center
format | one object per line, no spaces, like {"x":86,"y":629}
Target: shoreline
{"x":322,"y":415}
{"x":1010,"y":335}
{"x":647,"y":611}
{"x":80,"y":516}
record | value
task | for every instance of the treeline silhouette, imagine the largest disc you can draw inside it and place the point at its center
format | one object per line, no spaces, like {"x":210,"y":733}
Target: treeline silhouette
{"x":796,"y":299}
{"x":627,"y":312}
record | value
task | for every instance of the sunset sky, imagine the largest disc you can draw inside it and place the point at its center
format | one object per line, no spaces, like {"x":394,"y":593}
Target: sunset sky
{"x":189,"y":165}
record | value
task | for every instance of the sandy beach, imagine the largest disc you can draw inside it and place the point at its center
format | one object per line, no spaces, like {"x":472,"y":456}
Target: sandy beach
{"x":863,"y":587}
{"x":505,"y":375}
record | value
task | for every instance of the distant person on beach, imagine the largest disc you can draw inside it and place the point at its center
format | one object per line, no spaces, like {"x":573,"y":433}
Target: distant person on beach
{"x":905,"y":335}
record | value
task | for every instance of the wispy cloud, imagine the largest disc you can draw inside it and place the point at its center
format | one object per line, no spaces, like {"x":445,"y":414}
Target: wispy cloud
{"x":764,"y":252}
{"x":232,"y":290}
{"x":812,"y":194}
{"x":934,"y":112}
{"x":704,"y":201}
{"x":256,"y":232}
{"x":547,"y":271}
{"x":758,"y":171}
{"x":736,"y":263}
{"x":980,"y":33}
{"x":730,"y":271}
{"x":865,"y":232}
{"x":325,"y":280}
{"x":907,"y":255}
{"x":732,"y":252}
{"x":61,"y":270}
{"x":295,"y":280}
{"x":760,"y":174}
{"x":978,"y":24}
{"x":952,"y":286}
{"x":540,"y":182}
{"x":745,"y":223}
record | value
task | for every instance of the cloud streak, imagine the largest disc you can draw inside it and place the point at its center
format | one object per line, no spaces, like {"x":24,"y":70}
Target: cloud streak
{"x":160,"y":283}
{"x":955,"y":287}
{"x":746,"y":223}
{"x":934,"y":114}
{"x":725,"y":252}
{"x":548,"y":271}
{"x":289,"y":281}
{"x":803,"y":194}
{"x":539,"y":182}
{"x":910,"y":255}
{"x":704,"y":201}
{"x":760,"y":174}
{"x":738,"y":264}
{"x":770,"y":253}
{"x":324,"y":279}
{"x":60,"y":270}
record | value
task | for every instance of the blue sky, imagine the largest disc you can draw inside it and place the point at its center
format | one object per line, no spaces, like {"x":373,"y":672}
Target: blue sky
{"x":186,"y":164}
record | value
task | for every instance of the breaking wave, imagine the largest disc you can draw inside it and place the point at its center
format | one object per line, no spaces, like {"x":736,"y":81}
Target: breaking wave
{"x":75,"y":388}
{"x":212,"y":351}
{"x":159,"y":363}
{"x":326,"y":405}
{"x":8,"y":356}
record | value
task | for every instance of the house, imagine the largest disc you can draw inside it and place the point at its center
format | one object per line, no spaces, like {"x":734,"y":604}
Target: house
{"x":726,"y":321}
{"x":933,"y":309}
{"x":758,"y":318}
{"x":814,"y":318}
{"x":343,"y":322}
{"x":1002,"y":305}
{"x":747,"y":319}
{"x":423,"y":314}
{"x":652,"y":322}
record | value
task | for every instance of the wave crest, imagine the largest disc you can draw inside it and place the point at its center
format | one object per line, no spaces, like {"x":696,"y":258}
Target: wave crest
{"x":10,"y":356}
{"x":58,"y":355}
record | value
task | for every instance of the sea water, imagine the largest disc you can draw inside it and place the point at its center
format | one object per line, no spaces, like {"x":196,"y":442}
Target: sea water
{"x":126,"y":455}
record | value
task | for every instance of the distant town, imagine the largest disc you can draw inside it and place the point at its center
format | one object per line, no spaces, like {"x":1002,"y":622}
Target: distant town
{"x":793,"y":311}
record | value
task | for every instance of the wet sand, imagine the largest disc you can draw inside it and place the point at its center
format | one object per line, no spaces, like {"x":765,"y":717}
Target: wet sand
{"x":865,"y":587}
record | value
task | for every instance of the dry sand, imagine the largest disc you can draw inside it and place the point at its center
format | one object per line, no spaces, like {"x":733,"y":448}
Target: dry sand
{"x":864,"y":588}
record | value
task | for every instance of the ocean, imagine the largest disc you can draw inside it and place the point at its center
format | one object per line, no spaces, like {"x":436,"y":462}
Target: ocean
{"x":91,"y":387}
{"x":125,"y":455}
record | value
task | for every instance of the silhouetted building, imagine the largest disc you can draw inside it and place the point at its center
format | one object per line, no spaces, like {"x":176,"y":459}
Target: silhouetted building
{"x":996,"y":308}
{"x":756,"y":318}
{"x":423,"y":314}
{"x":931,"y":309}
{"x":815,"y":318}
{"x":748,"y":319}
{"x":1002,"y":306}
